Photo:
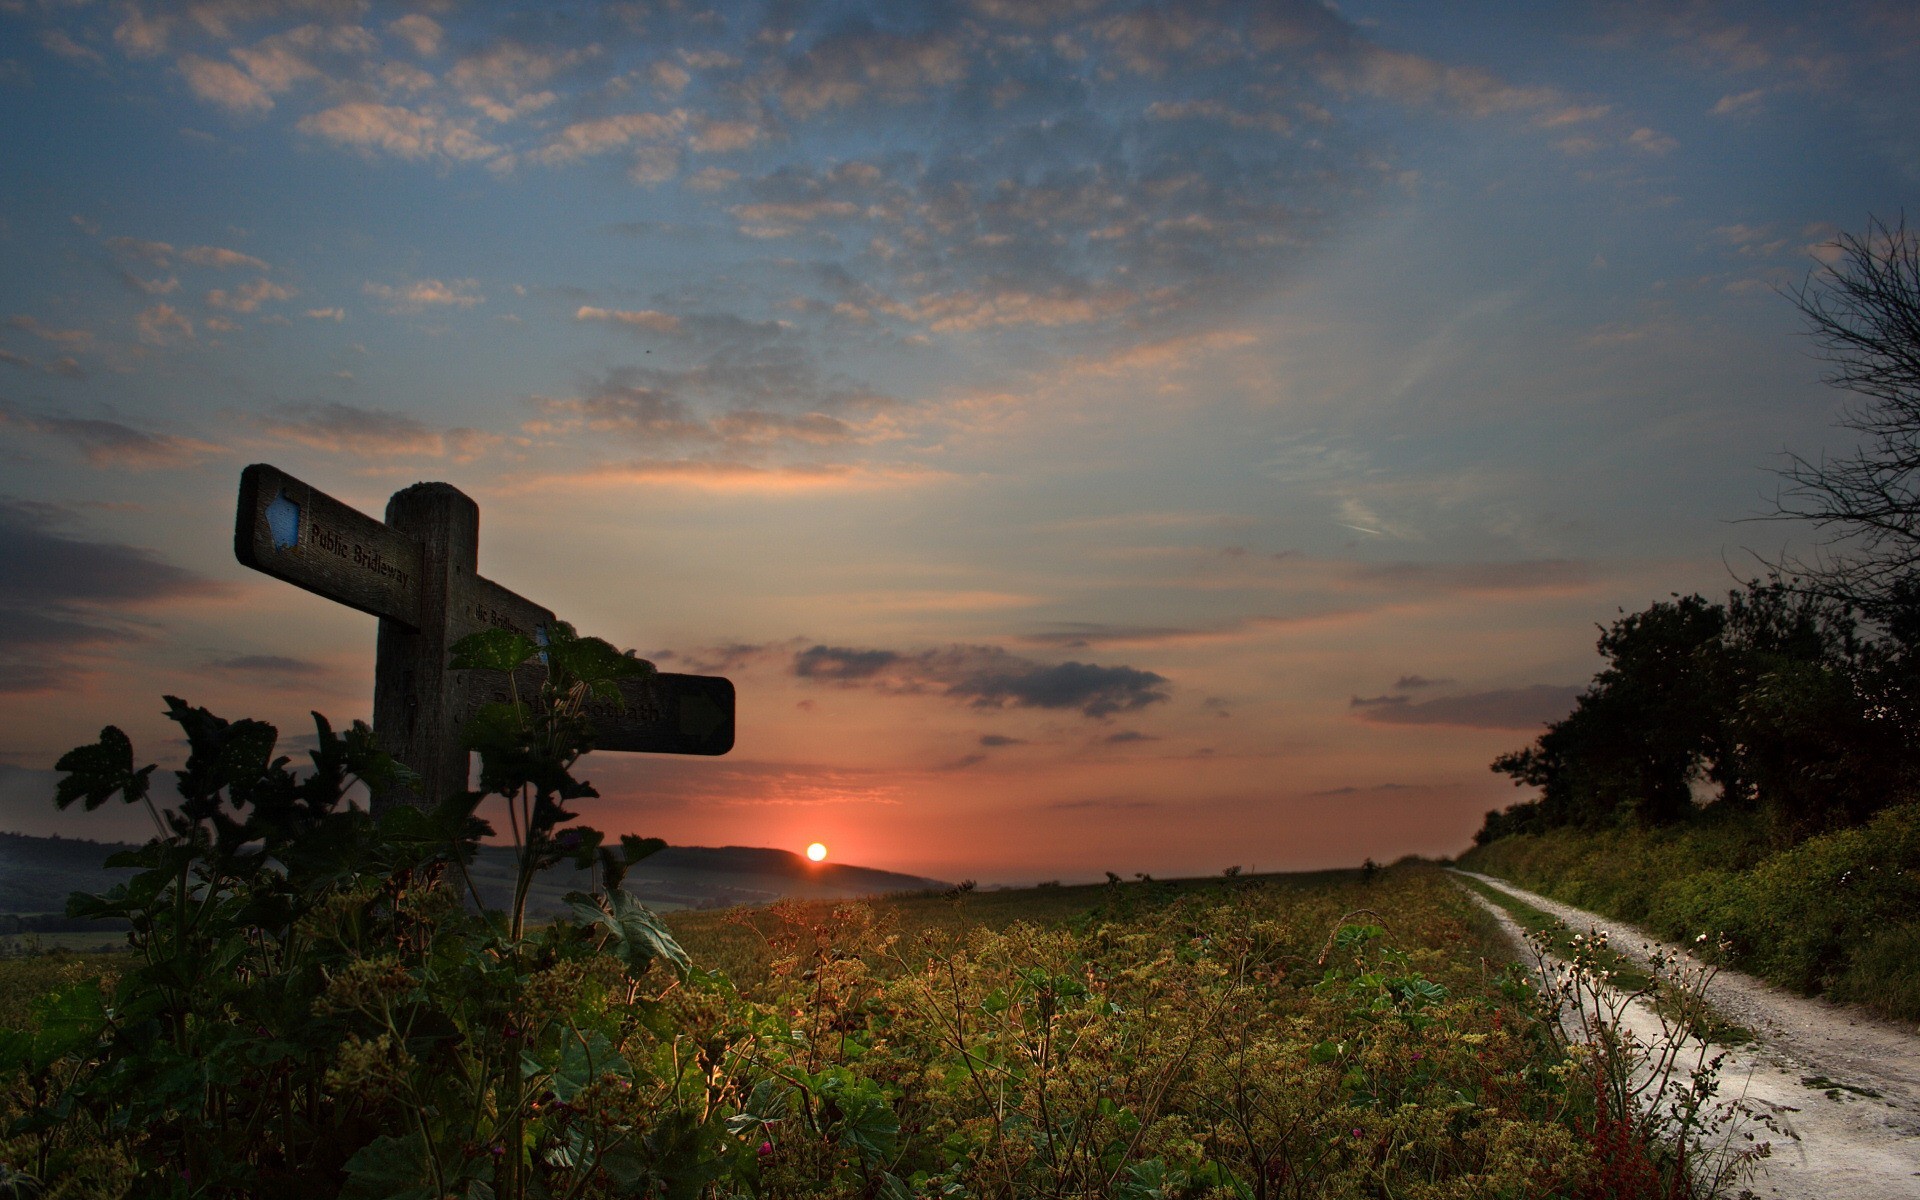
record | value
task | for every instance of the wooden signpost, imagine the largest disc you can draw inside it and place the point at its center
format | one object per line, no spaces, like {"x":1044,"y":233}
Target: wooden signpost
{"x":418,"y":572}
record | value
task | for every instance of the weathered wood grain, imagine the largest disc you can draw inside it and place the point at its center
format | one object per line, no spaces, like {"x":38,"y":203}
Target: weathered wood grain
{"x":340,"y":553}
{"x":417,"y":703}
{"x":418,"y":573}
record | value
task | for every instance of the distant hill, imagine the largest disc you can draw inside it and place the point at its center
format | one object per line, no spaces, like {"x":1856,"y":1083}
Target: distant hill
{"x":37,"y":873}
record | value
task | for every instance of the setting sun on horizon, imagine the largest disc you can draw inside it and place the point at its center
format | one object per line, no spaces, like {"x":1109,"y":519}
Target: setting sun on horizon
{"x":817,"y":852}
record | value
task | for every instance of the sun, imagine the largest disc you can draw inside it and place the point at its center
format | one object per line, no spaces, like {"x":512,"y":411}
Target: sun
{"x":817,"y":852}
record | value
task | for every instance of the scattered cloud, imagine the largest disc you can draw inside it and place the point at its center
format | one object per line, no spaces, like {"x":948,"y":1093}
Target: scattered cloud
{"x":106,"y":443}
{"x":367,"y":126}
{"x":647,"y":319}
{"x":1526,"y":708}
{"x":163,"y":324}
{"x":424,"y":294}
{"x":225,"y":86}
{"x":63,"y":599}
{"x":77,"y":339}
{"x":420,"y":32}
{"x":248,"y":296}
{"x":1653,"y":142}
{"x":271,"y":668}
{"x":338,"y":428}
{"x":60,"y":43}
{"x":985,"y":677}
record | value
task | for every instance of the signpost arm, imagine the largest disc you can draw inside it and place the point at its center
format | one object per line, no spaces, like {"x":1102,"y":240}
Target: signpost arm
{"x":416,"y":703}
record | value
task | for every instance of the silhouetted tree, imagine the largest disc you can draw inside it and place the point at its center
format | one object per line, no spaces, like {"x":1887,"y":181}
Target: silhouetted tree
{"x":1863,"y":312}
{"x":1778,"y":698}
{"x":1651,"y":722}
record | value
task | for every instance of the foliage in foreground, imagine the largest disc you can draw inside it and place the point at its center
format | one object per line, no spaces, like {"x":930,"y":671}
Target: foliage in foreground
{"x":1244,"y":1040}
{"x":1835,"y":914}
{"x":315,"y":1006}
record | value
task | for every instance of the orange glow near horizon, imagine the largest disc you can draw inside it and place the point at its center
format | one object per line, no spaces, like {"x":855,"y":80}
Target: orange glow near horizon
{"x":817,"y":852}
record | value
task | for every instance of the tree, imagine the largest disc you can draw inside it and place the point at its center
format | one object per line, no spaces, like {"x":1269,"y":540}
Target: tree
{"x":1863,"y":312}
{"x":1650,"y":723}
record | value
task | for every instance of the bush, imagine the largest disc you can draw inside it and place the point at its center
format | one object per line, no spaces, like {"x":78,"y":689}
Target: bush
{"x":1829,"y":915}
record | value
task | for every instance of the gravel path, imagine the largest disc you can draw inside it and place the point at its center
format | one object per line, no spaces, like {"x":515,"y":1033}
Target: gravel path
{"x":1846,"y":1083}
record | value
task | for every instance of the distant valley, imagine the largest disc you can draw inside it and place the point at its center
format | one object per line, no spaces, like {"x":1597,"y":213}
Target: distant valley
{"x":37,"y":874}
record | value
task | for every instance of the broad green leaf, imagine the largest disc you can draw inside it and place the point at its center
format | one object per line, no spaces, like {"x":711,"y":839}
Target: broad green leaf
{"x":391,"y":1168}
{"x":493,"y":650}
{"x":639,"y":937}
{"x":96,"y":772}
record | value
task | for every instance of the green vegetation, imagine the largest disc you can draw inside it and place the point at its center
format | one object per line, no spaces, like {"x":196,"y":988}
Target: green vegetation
{"x":318,"y":1003}
{"x":1306,"y":1036}
{"x":1837,"y":914}
{"x":1800,"y":718}
{"x":1552,"y":936}
{"x":1796,"y":704}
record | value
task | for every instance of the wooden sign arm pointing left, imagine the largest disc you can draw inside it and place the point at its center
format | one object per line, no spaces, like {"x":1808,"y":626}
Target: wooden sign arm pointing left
{"x":418,"y":573}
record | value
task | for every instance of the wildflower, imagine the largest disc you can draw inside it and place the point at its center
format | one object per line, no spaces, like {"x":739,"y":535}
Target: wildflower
{"x":766,"y":1148}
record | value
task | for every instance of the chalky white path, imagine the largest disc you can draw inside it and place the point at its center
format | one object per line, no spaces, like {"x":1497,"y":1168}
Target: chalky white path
{"x":1851,"y":1144}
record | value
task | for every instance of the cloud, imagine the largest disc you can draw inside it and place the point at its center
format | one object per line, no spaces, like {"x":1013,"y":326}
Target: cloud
{"x":508,"y":80}
{"x":362,"y":432}
{"x":248,"y":296}
{"x":725,"y":137}
{"x":271,"y":668}
{"x":161,"y":324}
{"x":601,"y":135}
{"x":216,"y":256}
{"x":140,"y":36}
{"x":63,"y":599}
{"x":1652,"y":141}
{"x":1418,"y":82}
{"x":994,"y":741}
{"x":403,"y":132}
{"x":725,"y":475}
{"x":423,"y":294}
{"x":164,"y":254}
{"x":60,"y":43}
{"x":111,"y":444}
{"x":420,"y":32}
{"x":1529,"y":575}
{"x":1739,"y":103}
{"x":647,"y":319}
{"x":78,"y":339}
{"x":986,"y":677}
{"x":1525,"y":708}
{"x":225,"y":85}
{"x":859,"y":62}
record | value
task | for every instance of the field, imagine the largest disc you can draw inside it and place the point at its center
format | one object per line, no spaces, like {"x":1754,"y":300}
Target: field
{"x":1329,"y":1035}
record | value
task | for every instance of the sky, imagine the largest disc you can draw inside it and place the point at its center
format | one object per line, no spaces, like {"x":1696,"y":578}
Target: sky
{"x":1091,"y":435}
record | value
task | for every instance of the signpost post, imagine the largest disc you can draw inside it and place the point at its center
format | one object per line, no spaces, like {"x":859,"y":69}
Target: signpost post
{"x":418,"y":572}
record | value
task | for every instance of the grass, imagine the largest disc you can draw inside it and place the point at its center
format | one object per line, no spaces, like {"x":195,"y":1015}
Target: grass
{"x":1835,"y":915}
{"x":1626,"y":974}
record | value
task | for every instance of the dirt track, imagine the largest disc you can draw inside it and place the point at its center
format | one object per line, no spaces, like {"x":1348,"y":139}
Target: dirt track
{"x":1846,"y":1083}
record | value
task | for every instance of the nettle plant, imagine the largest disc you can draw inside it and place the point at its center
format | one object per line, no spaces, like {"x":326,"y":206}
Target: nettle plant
{"x":319,"y":1003}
